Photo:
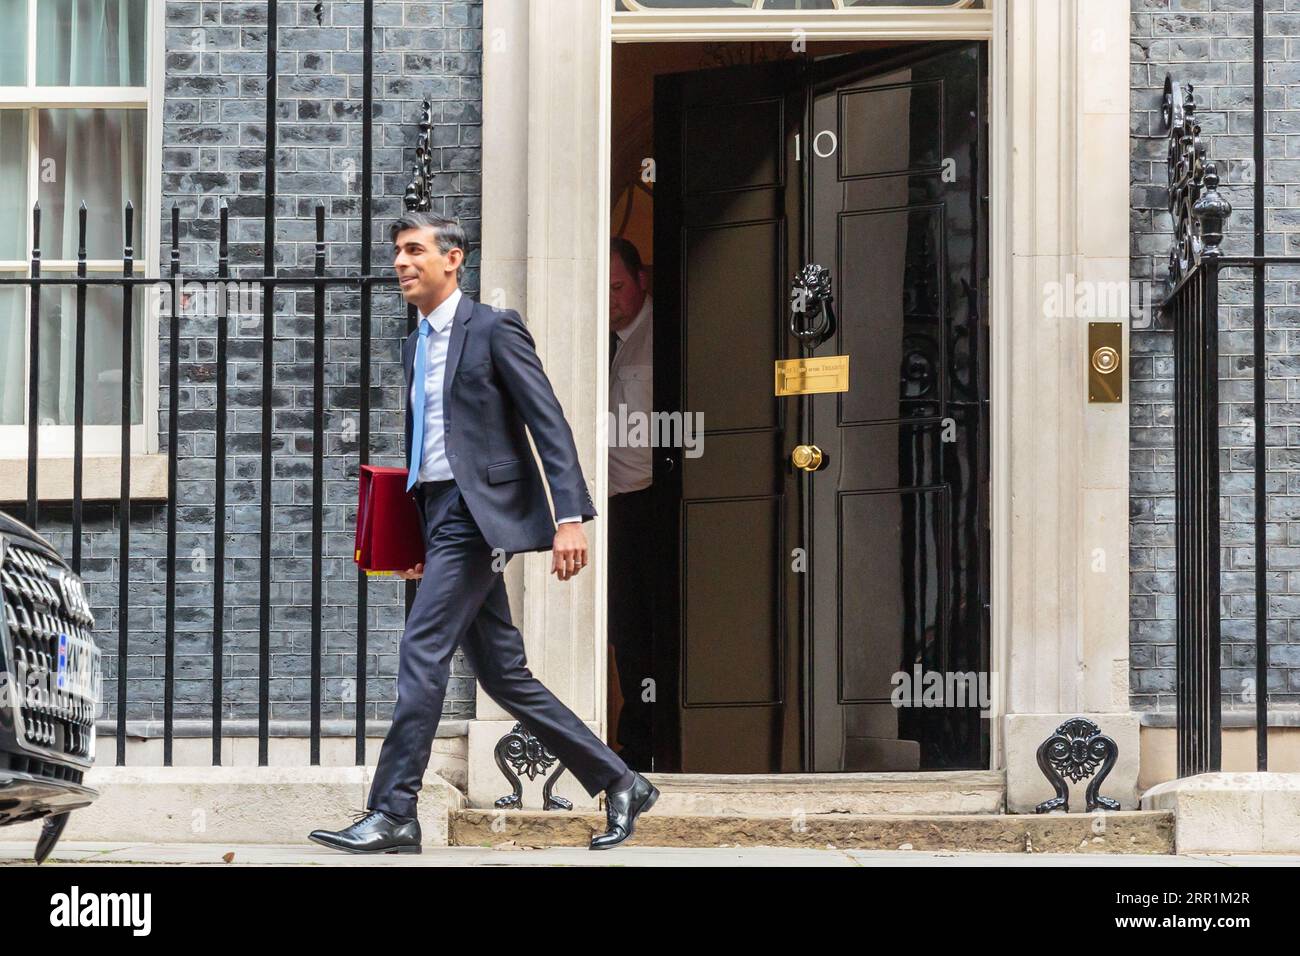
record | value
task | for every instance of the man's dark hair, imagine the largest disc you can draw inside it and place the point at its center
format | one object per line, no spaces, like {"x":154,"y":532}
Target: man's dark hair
{"x":618,"y":246}
{"x":448,"y":232}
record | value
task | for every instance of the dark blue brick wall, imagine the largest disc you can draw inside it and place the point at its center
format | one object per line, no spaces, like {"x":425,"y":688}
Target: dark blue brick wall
{"x":1209,"y":43}
{"x":213,"y":149}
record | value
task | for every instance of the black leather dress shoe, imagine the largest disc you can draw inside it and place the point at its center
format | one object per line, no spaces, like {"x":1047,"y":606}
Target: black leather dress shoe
{"x":622,"y":807}
{"x":372,"y":831}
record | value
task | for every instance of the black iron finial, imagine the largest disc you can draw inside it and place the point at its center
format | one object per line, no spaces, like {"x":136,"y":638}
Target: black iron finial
{"x":419,"y":192}
{"x":176,"y":239}
{"x":223,"y":239}
{"x":1211,"y":211}
{"x":36,"y":233}
{"x":320,"y":239}
{"x":81,"y":237}
{"x":128,"y":250}
{"x":1198,"y":210}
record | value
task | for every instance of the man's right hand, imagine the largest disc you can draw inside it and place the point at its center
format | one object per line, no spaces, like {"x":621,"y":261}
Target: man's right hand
{"x":413,"y":574}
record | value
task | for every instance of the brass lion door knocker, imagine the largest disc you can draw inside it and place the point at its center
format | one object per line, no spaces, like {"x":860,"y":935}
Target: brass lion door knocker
{"x":812,"y":313}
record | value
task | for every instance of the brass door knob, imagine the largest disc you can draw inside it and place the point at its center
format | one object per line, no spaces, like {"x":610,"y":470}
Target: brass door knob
{"x":807,"y":457}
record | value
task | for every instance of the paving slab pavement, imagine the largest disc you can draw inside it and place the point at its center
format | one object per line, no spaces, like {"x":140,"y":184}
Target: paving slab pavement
{"x":205,"y":854}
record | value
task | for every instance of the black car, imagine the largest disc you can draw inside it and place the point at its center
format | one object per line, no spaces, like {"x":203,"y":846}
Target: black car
{"x":50,"y":685}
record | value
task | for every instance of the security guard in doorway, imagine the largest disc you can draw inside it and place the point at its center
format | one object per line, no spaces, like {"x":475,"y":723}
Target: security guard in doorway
{"x":631,"y":589}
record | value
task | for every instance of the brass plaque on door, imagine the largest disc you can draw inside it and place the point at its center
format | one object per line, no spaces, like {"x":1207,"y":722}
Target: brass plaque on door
{"x":812,"y":376}
{"x":1105,"y":362}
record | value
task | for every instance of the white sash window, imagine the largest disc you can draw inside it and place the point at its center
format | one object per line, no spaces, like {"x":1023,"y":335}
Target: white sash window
{"x":76,"y":126}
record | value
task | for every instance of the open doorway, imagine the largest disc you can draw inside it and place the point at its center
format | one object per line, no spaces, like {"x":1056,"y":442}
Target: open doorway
{"x":789,"y":571}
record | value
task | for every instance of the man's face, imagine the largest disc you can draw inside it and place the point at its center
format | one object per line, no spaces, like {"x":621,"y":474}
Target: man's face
{"x":426,"y":275}
{"x":626,"y":294}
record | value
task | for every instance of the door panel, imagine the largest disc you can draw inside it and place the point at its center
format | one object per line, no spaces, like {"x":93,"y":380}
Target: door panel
{"x":734,"y":321}
{"x":896,"y":532}
{"x":730,"y":622}
{"x":875,"y":577}
{"x":890,"y":311}
{"x":790,"y":600}
{"x":727,"y":652}
{"x":746,"y":133}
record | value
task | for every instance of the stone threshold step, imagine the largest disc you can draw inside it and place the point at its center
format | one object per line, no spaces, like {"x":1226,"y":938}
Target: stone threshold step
{"x":929,"y":792}
{"x":1126,"y":831}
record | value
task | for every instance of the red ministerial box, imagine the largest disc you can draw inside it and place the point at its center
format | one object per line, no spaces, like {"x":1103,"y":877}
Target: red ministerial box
{"x":390,"y":531}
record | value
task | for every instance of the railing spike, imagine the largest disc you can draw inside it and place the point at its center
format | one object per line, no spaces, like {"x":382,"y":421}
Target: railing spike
{"x":81,"y":232}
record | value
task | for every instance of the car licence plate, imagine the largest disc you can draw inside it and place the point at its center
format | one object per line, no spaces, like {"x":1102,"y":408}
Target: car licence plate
{"x":78,"y":664}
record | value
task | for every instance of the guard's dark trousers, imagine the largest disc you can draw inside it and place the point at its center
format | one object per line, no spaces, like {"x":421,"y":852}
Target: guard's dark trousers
{"x":631,"y":618}
{"x":462,"y":596}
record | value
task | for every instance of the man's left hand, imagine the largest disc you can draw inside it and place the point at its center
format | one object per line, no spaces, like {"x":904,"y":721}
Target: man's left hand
{"x":569,"y":552}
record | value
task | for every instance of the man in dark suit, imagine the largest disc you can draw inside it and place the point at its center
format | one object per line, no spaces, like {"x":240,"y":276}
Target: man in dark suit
{"x":474,"y":381}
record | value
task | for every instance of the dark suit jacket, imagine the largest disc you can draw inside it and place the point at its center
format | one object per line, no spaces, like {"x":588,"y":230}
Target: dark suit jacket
{"x":493,"y":386}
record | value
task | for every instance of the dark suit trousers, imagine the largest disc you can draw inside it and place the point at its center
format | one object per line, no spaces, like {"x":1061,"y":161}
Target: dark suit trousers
{"x":631,"y":617}
{"x":461,"y":598}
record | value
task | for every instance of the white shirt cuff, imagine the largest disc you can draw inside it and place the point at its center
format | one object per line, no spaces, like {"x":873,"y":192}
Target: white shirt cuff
{"x":577,"y":518}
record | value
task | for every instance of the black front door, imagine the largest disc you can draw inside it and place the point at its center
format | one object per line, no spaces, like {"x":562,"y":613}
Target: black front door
{"x":804,"y":611}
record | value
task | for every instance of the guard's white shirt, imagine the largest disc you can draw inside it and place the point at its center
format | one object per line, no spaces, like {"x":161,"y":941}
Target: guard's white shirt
{"x":631,"y":383}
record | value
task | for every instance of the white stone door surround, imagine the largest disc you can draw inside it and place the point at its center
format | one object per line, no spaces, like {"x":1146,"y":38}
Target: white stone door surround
{"x":1059,"y":213}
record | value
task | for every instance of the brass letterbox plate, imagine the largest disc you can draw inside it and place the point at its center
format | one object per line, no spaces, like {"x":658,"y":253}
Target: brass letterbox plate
{"x":1105,"y":362}
{"x":811,"y":376}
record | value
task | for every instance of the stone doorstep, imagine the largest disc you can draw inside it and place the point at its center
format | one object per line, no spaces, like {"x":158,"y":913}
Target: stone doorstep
{"x":931,"y":792}
{"x":233,"y":805}
{"x":1126,"y":831}
{"x":281,"y":805}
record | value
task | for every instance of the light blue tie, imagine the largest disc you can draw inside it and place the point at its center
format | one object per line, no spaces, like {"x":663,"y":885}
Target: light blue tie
{"x":417,"y":431}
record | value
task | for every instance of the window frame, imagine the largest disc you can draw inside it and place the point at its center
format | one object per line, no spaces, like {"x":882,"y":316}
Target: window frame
{"x":958,"y":20}
{"x":636,"y":7}
{"x":99,"y":441}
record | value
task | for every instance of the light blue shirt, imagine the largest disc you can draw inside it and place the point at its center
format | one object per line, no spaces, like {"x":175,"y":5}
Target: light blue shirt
{"x":434,"y":465}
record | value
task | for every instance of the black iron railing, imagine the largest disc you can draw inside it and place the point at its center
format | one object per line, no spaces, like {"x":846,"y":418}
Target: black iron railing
{"x":1196,"y":268}
{"x":1192,"y":308}
{"x":268,"y":282}
{"x":129,"y":284}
